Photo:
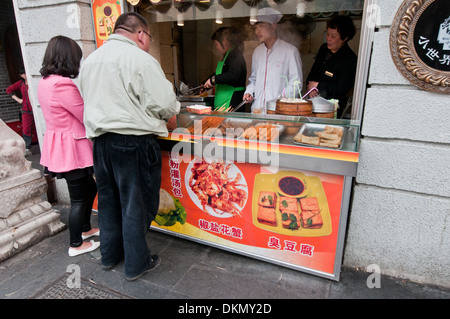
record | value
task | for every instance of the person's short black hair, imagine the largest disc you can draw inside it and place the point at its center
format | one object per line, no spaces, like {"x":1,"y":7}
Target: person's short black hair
{"x":62,"y":57}
{"x":344,"y":26}
{"x":131,"y":22}
{"x":232,"y":34}
{"x":21,"y":70}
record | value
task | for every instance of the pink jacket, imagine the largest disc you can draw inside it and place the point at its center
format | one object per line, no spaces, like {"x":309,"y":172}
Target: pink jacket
{"x":65,"y":146}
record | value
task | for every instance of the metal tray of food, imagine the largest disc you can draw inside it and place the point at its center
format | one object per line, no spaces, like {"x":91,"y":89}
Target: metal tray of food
{"x":321,"y":136}
{"x":237,"y":126}
{"x":254,"y":128}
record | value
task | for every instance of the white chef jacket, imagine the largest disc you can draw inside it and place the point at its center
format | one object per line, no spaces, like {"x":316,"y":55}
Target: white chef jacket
{"x":269,"y":71}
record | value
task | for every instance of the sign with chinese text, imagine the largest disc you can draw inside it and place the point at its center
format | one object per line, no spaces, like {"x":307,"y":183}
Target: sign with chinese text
{"x":285,"y":216}
{"x":420,"y":43}
{"x":432,"y":36}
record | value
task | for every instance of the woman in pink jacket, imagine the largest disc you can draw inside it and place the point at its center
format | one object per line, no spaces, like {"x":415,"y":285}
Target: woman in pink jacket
{"x":66,"y":152}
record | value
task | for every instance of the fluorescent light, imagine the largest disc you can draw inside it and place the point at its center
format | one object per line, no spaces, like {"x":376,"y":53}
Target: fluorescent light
{"x":301,"y":7}
{"x":180,"y":19}
{"x":219,"y":16}
{"x":253,"y":13}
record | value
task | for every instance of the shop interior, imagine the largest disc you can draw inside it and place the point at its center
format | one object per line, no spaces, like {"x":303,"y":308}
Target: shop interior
{"x":182,"y":30}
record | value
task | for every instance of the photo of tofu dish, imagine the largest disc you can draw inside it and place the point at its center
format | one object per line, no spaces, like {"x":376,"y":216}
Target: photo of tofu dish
{"x":281,"y":210}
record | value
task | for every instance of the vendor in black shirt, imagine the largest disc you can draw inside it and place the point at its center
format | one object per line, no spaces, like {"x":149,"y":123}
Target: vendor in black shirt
{"x":231,"y":73}
{"x":333,"y":72}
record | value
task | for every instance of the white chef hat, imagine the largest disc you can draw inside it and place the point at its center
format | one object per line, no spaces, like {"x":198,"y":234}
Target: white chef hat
{"x":268,"y":15}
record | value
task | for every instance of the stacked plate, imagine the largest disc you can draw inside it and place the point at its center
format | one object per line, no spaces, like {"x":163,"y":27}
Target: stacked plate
{"x":320,"y":105}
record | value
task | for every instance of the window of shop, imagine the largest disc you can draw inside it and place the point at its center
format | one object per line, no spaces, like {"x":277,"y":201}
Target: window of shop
{"x":182,"y":36}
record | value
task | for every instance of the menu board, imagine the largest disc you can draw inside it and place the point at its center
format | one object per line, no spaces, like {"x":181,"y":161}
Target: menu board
{"x":105,"y":14}
{"x":281,"y":215}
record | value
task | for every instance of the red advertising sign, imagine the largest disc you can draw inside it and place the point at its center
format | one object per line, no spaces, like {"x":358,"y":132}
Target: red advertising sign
{"x":281,"y":215}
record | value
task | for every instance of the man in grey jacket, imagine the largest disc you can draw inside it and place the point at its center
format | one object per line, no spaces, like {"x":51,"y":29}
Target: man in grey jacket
{"x":128,"y":101}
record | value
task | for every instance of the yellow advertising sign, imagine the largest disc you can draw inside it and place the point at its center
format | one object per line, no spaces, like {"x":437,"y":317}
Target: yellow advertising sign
{"x":105,"y":14}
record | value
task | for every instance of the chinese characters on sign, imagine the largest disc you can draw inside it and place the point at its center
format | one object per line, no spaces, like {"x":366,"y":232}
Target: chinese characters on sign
{"x":289,"y":245}
{"x":223,"y":229}
{"x":175,"y":176}
{"x":432,"y":36}
{"x":432,"y":53}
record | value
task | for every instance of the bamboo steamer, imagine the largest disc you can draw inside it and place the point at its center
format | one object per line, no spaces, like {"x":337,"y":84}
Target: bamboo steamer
{"x":324,"y":115}
{"x":297,"y":108}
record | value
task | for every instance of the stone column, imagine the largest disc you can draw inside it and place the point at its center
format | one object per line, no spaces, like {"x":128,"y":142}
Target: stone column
{"x":25,"y":218}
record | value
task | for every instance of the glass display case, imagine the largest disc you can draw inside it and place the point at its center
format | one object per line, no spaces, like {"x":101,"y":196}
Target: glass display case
{"x":313,"y":132}
{"x":272,"y":187}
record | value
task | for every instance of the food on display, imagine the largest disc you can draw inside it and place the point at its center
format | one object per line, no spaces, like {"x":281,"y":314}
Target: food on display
{"x":267,"y":199}
{"x":199,"y":109}
{"x":305,"y":213}
{"x":288,"y":203}
{"x":289,"y":212}
{"x":213,"y":187}
{"x":262,"y":132}
{"x":313,"y":140}
{"x":328,"y":136}
{"x":310,"y":213}
{"x":170,"y":210}
{"x":267,"y":215}
{"x":291,"y":185}
{"x":207,"y":124}
{"x":291,"y":219}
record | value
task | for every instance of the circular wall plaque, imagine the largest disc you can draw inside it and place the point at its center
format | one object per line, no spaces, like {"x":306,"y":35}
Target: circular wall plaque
{"x":420,"y":43}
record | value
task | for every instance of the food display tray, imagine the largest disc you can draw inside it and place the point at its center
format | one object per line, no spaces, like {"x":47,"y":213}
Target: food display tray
{"x":310,"y":129}
{"x":279,"y":127}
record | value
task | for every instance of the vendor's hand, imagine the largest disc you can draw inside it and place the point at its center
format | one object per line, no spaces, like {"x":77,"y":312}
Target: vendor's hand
{"x":208,"y":84}
{"x":311,"y":85}
{"x":248,"y":97}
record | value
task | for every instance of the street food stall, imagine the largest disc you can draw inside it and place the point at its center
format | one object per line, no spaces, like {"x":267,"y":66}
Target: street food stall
{"x":256,"y":185}
{"x":275,"y":187}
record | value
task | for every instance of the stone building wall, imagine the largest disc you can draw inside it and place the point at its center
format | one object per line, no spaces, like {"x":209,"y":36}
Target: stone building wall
{"x":400,"y":215}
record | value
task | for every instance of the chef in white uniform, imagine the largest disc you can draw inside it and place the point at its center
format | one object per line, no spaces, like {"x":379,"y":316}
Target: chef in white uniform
{"x":276,"y":65}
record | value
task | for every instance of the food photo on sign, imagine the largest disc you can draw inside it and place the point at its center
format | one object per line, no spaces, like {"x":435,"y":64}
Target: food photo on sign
{"x":281,"y":214}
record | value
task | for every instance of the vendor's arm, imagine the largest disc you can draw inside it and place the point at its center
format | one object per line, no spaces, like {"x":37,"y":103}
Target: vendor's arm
{"x":209,"y":82}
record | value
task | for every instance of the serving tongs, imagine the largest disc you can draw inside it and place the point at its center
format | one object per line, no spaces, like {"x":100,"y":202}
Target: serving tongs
{"x":191,"y":90}
{"x":239,"y":106}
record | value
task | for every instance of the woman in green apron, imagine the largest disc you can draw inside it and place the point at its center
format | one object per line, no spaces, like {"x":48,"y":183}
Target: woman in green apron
{"x":231,"y":73}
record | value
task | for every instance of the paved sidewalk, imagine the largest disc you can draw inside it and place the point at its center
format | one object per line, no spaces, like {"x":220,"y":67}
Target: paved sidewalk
{"x":188,"y":270}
